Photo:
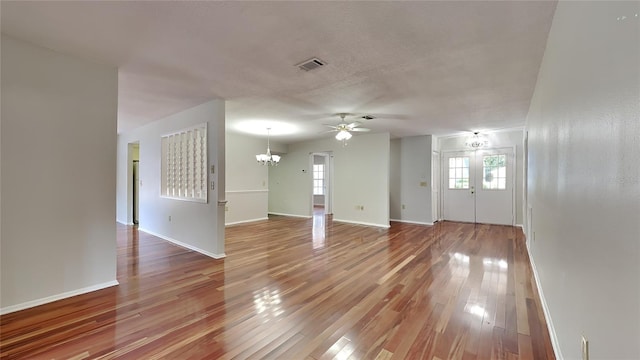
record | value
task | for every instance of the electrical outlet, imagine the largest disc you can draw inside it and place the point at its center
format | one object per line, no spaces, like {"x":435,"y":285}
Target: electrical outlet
{"x":403,"y":207}
{"x":585,"y":348}
{"x":169,"y":218}
{"x":423,"y":183}
{"x":362,"y":207}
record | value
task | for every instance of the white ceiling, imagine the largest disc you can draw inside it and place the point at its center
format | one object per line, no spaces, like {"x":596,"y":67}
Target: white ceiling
{"x":419,"y":67}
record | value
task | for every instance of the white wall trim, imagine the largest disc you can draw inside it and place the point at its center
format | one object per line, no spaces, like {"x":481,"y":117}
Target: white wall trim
{"x":468,"y":133}
{"x":64,"y":295}
{"x":124,"y":223}
{"x":521,"y":227}
{"x":246,"y":191}
{"x":545,"y":310}
{"x":184,"y":245}
{"x":291,"y":215}
{"x":246,"y":221}
{"x":412,"y":222}
{"x":362,"y":223}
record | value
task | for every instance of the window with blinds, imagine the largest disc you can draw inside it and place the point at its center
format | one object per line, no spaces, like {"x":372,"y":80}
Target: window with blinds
{"x":184,"y":164}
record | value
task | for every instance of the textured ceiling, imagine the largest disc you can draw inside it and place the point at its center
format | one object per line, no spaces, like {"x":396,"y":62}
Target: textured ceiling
{"x":418,"y":67}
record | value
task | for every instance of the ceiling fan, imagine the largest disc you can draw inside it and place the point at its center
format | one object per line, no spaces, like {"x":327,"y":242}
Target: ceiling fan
{"x":345,"y":129}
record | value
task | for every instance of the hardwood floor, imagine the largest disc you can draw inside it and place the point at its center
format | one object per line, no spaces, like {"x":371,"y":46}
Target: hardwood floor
{"x":302,"y":289}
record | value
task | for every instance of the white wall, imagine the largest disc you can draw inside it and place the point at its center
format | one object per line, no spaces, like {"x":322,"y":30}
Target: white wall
{"x":247,"y":189}
{"x":507,"y":138}
{"x":584,"y":178}
{"x":360,"y":177}
{"x":58,"y":175}
{"x":199,"y":226}
{"x":411,"y":180}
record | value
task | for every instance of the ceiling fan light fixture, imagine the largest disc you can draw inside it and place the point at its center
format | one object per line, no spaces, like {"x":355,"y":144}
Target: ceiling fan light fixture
{"x":343,"y":135}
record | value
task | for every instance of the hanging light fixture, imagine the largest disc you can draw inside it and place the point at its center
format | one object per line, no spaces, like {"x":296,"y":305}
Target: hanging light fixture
{"x":343,"y":135}
{"x":268,"y":159}
{"x":477,"y":141}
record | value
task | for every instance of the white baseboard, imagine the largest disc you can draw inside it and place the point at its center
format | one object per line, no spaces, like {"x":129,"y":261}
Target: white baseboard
{"x":184,"y":245}
{"x":412,"y":222}
{"x":291,"y":215}
{"x":545,"y":310}
{"x":64,"y":295}
{"x":246,"y":221}
{"x":124,"y":223}
{"x":362,"y":223}
{"x":521,"y":226}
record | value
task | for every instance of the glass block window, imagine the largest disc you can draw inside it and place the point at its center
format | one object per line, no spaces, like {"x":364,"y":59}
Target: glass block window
{"x":459,"y":172}
{"x":184,"y":164}
{"x":494,"y":172}
{"x":318,"y":179}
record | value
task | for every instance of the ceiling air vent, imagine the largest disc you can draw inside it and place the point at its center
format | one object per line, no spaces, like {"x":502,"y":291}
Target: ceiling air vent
{"x":311,"y":64}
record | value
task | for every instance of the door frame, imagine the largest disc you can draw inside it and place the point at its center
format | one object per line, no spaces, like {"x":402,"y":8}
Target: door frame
{"x":444,"y":177}
{"x":136,"y":192}
{"x":130,"y":150}
{"x":328,"y":180}
{"x":436,"y":188}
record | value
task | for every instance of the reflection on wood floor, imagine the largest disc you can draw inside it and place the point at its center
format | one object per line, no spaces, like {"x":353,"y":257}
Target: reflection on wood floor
{"x":303,"y":289}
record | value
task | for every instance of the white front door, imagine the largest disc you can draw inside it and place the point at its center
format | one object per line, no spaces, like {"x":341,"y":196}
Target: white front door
{"x":458,"y":187}
{"x":478,"y":186}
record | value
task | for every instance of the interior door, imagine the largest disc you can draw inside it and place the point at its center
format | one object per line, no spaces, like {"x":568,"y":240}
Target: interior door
{"x":478,"y":186}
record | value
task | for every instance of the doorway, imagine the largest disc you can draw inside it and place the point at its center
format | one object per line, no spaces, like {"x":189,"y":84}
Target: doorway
{"x":321,"y":171}
{"x":133,"y":184}
{"x":136,"y":190}
{"x":478,"y":186}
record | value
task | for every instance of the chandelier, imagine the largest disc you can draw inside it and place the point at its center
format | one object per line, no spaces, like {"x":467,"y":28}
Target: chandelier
{"x":477,"y":141}
{"x":268,"y":159}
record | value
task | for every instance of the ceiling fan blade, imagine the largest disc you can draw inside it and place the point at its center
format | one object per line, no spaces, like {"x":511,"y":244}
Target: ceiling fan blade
{"x":354,"y":124}
{"x":359,"y":129}
{"x":328,"y":131}
{"x":331,"y":126}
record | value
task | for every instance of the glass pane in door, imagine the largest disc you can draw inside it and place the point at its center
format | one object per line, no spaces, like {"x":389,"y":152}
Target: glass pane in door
{"x":459,"y":172}
{"x":494,"y":172}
